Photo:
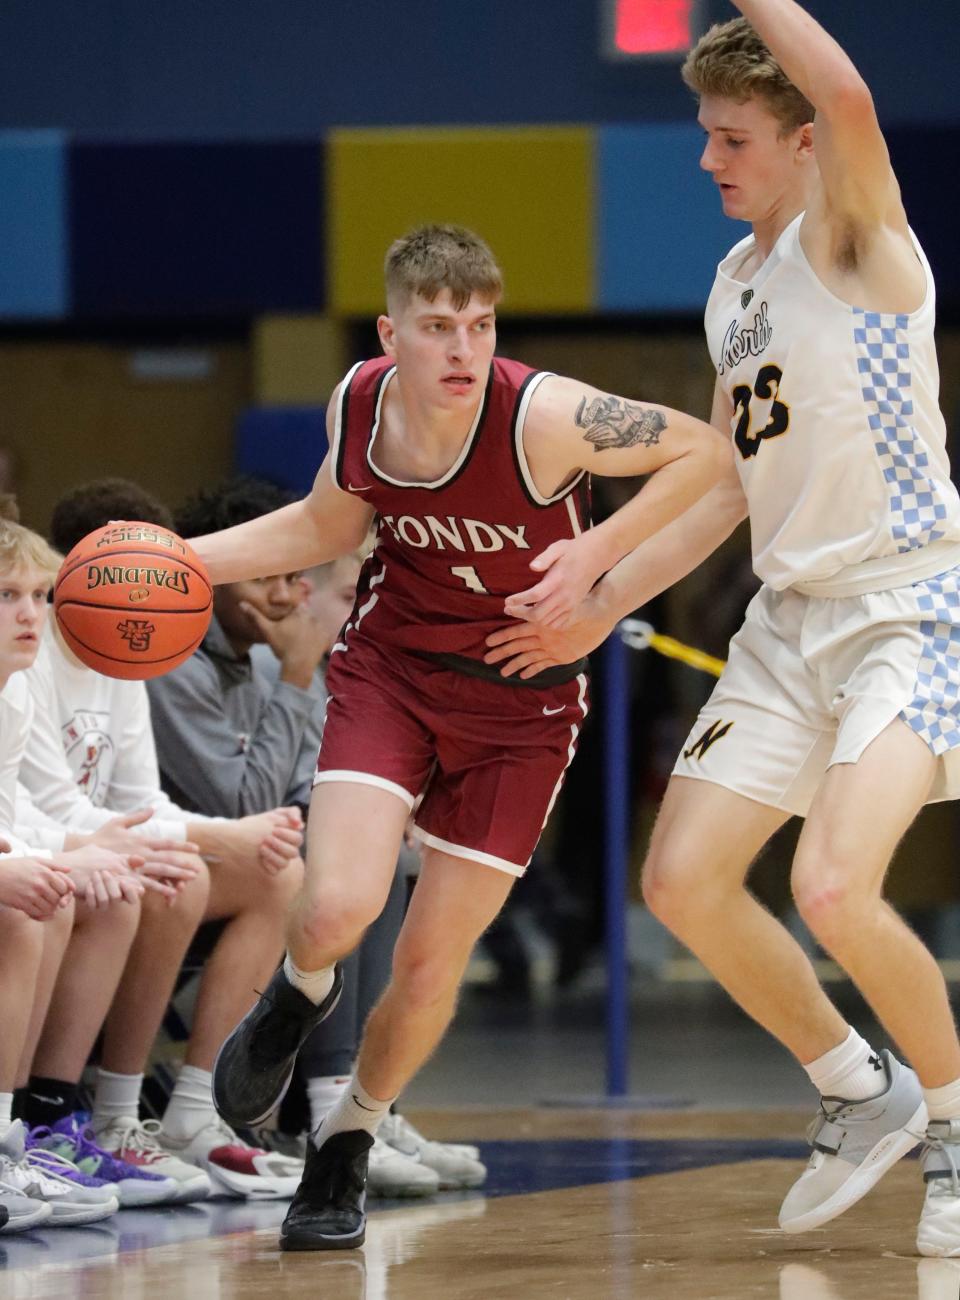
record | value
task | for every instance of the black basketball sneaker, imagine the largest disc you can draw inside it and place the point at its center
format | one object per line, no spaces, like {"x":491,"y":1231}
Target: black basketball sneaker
{"x":255,"y":1064}
{"x":328,"y":1211}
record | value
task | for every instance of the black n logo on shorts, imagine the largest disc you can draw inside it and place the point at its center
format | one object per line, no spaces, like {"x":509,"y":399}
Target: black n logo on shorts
{"x":716,"y":731}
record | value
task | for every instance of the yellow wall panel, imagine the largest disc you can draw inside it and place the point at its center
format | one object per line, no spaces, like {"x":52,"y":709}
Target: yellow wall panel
{"x":298,"y":360}
{"x":527,"y":190}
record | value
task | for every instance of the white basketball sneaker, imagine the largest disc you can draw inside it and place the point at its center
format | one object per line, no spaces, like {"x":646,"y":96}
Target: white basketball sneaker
{"x":391,"y":1173}
{"x":454,"y":1163}
{"x":854,"y":1144}
{"x":234,"y":1167}
{"x":73,"y":1197}
{"x":939,"y":1230}
{"x":938,"y":1279}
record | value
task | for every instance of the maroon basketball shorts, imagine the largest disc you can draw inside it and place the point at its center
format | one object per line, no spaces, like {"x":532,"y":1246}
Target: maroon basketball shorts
{"x":485,"y":760}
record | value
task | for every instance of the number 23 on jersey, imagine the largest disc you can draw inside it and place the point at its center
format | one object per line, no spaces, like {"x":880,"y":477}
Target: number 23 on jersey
{"x":747,"y":436}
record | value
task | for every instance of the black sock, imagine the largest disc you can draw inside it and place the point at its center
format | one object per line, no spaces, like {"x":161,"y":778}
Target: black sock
{"x":19,"y":1102}
{"x":48,"y":1100}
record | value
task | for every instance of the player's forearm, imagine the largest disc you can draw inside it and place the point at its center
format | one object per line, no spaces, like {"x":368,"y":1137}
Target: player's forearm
{"x":667,"y":495}
{"x":674,"y":552}
{"x":289,"y":539}
{"x":819,"y":67}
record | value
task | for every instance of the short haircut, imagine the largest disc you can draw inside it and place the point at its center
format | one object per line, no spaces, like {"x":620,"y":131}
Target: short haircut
{"x":235,"y":501}
{"x":22,"y":549}
{"x":732,"y":62}
{"x":433,"y":258}
{"x":92,"y":505}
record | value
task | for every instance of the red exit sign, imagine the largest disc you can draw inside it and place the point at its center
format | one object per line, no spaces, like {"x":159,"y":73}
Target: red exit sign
{"x":640,"y":28}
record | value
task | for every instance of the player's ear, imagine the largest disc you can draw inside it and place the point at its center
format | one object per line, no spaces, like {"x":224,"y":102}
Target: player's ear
{"x":804,"y":142}
{"x":386,"y":330}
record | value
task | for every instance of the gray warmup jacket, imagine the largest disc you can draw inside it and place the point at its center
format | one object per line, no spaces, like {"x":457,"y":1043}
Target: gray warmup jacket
{"x":229,"y":738}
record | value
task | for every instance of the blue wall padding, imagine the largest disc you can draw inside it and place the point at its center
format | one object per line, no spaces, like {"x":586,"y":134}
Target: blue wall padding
{"x":660,"y":229}
{"x":284,"y":444}
{"x":33,"y":225}
{"x":214,"y":229}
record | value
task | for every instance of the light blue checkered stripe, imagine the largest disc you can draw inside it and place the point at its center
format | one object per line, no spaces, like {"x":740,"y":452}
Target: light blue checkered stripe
{"x":934,"y":711}
{"x":917,"y":510}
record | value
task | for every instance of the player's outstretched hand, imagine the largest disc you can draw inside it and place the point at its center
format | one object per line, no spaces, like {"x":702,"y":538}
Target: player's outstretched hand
{"x":525,"y":649}
{"x":570,"y":568}
{"x":36,"y":886}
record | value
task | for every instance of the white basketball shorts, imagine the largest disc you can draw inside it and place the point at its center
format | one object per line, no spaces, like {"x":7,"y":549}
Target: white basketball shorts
{"x":812,"y":680}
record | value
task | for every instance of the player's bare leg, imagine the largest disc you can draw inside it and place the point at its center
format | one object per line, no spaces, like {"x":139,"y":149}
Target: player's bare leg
{"x":148,"y":978}
{"x":21,"y":954}
{"x":247,"y":953}
{"x":704,"y":841}
{"x":354,"y":833}
{"x":454,"y":902}
{"x":56,"y":935}
{"x":856,"y":821}
{"x":245,"y":957}
{"x":89,"y":969}
{"x":694,"y":875}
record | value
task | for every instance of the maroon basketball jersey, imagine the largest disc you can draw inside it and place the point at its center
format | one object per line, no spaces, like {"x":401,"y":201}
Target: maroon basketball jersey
{"x":450,"y":551}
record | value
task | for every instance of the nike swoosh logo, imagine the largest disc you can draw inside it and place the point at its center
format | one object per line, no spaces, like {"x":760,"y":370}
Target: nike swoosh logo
{"x":371,"y":1109}
{"x":351,"y":488}
{"x":51,"y":1101}
{"x":547,"y":713}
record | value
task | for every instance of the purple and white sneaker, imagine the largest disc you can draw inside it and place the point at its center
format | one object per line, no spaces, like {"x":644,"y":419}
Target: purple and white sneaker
{"x":73,"y":1140}
{"x":73,"y":1197}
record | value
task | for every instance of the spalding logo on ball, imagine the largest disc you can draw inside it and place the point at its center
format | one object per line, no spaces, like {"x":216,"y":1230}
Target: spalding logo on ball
{"x":132,"y":600}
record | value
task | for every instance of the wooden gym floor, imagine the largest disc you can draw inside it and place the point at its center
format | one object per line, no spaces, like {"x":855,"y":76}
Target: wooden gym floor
{"x":674,"y":1199}
{"x":581,"y":1205}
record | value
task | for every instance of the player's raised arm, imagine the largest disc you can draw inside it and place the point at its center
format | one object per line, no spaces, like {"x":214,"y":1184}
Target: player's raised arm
{"x":571,"y":426}
{"x":326,"y":524}
{"x":854,"y":164}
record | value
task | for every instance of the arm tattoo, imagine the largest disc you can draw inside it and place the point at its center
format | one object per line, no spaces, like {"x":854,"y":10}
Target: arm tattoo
{"x":612,"y":422}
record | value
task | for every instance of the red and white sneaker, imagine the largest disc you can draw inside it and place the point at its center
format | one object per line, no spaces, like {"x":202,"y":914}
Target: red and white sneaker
{"x":136,"y":1143}
{"x":234,"y":1167}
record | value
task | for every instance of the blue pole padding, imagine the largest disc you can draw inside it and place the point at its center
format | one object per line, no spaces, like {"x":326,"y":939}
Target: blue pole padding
{"x":616,"y":853}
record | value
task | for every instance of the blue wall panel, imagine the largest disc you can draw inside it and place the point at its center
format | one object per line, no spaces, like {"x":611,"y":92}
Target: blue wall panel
{"x":242,"y":68}
{"x":283,"y":444}
{"x":33,"y":234}
{"x":660,"y":229}
{"x":214,"y":229}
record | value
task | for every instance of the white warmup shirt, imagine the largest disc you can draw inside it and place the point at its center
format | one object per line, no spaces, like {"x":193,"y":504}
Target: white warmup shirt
{"x":16,"y":722}
{"x":89,"y":755}
{"x":839,"y":439}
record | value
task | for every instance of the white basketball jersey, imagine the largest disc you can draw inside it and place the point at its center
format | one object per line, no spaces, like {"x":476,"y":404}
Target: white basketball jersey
{"x":838,"y":435}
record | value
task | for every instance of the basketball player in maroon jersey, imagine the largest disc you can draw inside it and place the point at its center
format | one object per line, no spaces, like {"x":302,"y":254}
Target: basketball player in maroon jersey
{"x":471,"y":465}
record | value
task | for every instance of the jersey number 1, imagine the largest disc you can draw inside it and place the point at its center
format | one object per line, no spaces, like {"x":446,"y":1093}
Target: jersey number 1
{"x":768,"y":385}
{"x":469,"y":576}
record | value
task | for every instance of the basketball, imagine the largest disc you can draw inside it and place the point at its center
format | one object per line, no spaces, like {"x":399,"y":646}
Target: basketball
{"x":132,"y":600}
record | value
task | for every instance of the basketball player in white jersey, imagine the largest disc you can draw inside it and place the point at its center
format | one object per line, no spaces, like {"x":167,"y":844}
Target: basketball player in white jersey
{"x":841,"y":698}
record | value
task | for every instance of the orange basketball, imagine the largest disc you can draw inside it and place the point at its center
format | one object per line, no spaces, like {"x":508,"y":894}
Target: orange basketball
{"x":132,"y":600}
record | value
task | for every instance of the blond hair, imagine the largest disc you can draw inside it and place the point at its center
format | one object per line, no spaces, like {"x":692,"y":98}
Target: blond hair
{"x":22,"y":549}
{"x":432,"y":258}
{"x":732,"y":62}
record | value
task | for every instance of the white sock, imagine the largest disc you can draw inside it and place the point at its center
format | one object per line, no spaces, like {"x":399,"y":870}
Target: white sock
{"x":355,"y":1110}
{"x":117,"y":1096}
{"x":853,"y":1071}
{"x":6,"y":1112}
{"x":324,"y":1093}
{"x":190,"y":1107}
{"x":943,"y":1103}
{"x":314,"y":984}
